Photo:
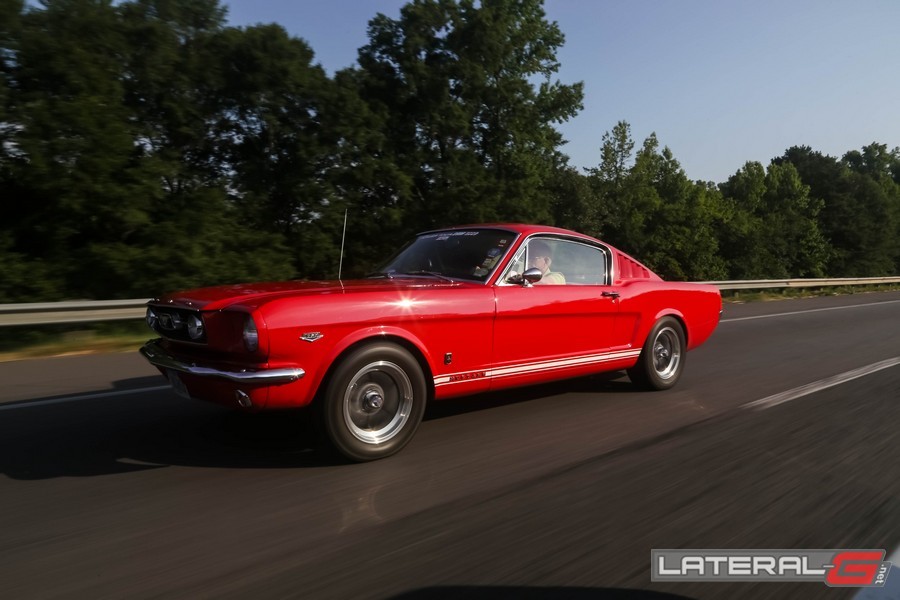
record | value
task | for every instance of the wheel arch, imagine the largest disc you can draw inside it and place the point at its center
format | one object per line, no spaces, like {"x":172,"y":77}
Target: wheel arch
{"x":678,"y":317}
{"x":375,"y":338}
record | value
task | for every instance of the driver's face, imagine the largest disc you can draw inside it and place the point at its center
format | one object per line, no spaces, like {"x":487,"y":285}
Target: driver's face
{"x":539,"y":262}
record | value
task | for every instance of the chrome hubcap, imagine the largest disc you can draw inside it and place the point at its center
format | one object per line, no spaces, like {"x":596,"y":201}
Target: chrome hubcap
{"x":666,"y":353}
{"x":372,"y":401}
{"x":378,"y":402}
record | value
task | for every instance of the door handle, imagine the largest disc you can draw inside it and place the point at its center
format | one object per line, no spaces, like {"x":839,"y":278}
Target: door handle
{"x":610,"y":294}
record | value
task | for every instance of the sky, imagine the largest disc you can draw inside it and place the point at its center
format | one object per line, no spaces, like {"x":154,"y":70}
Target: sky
{"x":720,"y":82}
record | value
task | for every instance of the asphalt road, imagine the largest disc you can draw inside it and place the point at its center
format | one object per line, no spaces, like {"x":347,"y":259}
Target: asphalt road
{"x":112,"y":487}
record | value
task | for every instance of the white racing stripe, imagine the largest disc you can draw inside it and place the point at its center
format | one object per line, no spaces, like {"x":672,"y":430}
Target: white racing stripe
{"x":803,"y":312}
{"x":36,"y":403}
{"x":562,"y":364}
{"x":547,"y":365}
{"x":822,"y":384}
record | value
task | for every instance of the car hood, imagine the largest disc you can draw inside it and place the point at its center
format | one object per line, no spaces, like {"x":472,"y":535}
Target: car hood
{"x":254,"y":294}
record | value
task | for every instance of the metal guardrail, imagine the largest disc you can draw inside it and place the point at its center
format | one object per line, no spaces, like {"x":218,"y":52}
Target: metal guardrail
{"x":46,"y":313}
{"x":86,"y":311}
{"x":765,"y":284}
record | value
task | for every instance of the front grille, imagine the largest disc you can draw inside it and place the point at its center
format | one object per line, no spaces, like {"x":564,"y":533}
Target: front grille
{"x":177,"y":324}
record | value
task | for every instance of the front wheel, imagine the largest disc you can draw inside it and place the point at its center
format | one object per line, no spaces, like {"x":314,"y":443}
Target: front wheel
{"x":662,"y":357}
{"x":374,"y":402}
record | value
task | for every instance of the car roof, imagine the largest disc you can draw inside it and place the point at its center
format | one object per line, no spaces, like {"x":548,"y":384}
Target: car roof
{"x":521,"y":228}
{"x":527,"y":229}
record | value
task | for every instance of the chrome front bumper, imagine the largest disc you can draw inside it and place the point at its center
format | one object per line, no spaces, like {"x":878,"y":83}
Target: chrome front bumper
{"x":154,"y":352}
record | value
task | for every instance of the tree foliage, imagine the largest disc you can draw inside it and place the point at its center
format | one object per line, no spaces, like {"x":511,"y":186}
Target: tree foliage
{"x":145,"y":145}
{"x":647,"y":206}
{"x":464,"y":121}
{"x":859,"y":207}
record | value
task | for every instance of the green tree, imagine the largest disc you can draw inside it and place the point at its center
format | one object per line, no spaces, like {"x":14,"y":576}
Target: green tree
{"x":652,"y":210}
{"x":573,"y":201}
{"x":777,"y":235}
{"x":73,"y":167}
{"x":742,"y":236}
{"x":616,"y":155}
{"x":681,"y":237}
{"x":873,"y":160}
{"x":454,"y":85}
{"x":272,"y":134}
{"x":881,"y":168}
{"x":112,"y":160}
{"x":198,"y":93}
{"x":10,"y":12}
{"x":607,"y":182}
{"x":856,"y":216}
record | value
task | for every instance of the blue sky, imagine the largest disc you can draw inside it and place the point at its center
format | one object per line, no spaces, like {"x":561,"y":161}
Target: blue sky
{"x":721,"y":82}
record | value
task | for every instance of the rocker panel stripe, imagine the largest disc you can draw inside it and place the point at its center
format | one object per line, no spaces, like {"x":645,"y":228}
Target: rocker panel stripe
{"x":525,"y":368}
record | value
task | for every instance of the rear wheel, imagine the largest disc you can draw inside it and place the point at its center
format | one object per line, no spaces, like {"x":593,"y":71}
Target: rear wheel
{"x":662,"y":357}
{"x":374,"y":402}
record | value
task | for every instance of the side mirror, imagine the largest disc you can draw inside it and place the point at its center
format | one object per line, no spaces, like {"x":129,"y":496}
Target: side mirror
{"x":532,"y":275}
{"x":527,"y":278}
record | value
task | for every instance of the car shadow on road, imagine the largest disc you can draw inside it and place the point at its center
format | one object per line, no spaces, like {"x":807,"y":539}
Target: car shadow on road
{"x":145,"y":430}
{"x":609,"y":383}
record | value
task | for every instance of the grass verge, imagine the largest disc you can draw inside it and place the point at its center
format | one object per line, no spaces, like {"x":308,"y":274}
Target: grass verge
{"x":22,"y":342}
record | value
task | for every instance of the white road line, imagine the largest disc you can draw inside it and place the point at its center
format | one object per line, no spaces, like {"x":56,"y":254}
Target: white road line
{"x":822,"y":384}
{"x":801,"y":312}
{"x":35,"y":403}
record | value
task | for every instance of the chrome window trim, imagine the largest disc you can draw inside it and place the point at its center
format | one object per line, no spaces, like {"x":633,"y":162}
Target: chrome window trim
{"x":610,"y":264}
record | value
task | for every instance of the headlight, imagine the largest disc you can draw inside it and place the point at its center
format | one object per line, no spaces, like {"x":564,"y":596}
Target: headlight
{"x":195,"y":327}
{"x":251,"y":335}
{"x":151,"y":318}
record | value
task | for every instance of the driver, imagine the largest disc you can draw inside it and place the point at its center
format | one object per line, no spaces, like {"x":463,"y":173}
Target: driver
{"x":540,"y":257}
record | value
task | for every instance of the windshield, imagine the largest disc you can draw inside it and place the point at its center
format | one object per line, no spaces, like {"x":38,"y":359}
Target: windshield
{"x":470,"y":254}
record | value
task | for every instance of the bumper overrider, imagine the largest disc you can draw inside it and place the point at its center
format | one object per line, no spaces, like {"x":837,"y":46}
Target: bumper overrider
{"x":157,"y":356}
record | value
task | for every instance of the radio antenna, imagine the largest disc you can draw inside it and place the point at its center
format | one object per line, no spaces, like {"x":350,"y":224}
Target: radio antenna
{"x":343,"y":237}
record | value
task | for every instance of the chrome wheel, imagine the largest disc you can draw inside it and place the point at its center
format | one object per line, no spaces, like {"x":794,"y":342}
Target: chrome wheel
{"x":662,"y":357}
{"x":378,"y":402}
{"x":374,"y":401}
{"x":666,"y":353}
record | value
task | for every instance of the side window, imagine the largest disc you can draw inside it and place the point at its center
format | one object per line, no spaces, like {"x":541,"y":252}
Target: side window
{"x":581,"y":264}
{"x":562,"y":262}
{"x":543,"y":254}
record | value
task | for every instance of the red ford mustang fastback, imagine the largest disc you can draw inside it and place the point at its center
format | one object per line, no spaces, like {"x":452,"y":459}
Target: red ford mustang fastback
{"x":456,"y":311}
